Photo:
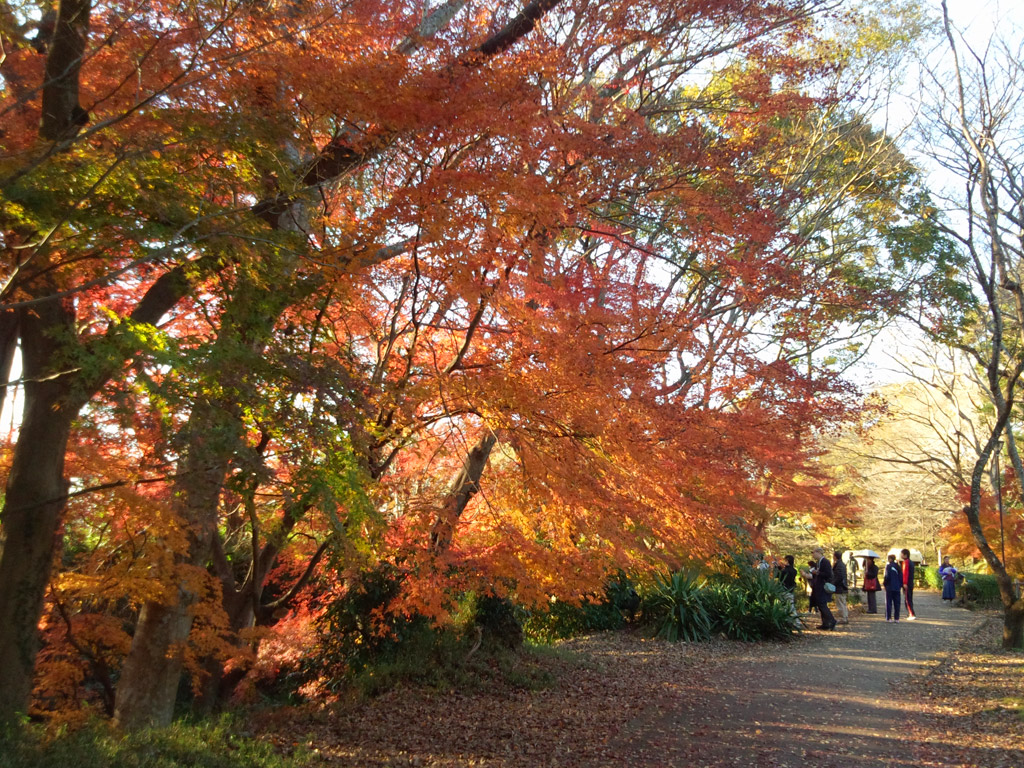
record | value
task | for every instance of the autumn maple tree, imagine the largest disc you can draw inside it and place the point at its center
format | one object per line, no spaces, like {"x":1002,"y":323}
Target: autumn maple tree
{"x":507,"y":295}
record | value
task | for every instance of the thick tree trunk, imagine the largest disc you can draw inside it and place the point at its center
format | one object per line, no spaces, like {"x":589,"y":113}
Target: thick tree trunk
{"x":35,"y":496}
{"x":214,"y":438}
{"x":1013,"y":612}
{"x":1013,"y":627}
{"x":149,"y":682}
{"x":62,"y":114}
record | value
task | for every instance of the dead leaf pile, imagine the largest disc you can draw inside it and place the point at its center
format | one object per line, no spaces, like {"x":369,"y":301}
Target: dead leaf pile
{"x":603,"y":683}
{"x":622,"y":699}
{"x":970,"y":708}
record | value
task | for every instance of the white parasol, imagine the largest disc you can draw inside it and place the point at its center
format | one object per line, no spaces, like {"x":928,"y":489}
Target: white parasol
{"x":865,"y":553}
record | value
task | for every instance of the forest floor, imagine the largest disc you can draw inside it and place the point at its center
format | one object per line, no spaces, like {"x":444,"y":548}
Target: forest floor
{"x":935,"y":692}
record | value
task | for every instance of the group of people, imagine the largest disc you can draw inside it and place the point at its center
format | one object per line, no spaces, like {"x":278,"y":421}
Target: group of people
{"x":898,"y":581}
{"x":828,"y":581}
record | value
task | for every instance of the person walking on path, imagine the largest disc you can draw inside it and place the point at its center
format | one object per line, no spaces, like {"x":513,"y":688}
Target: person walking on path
{"x":871,"y":585}
{"x":842,"y":588}
{"x":893,"y":583}
{"x":948,"y":574}
{"x":819,"y":575}
{"x":908,"y":583}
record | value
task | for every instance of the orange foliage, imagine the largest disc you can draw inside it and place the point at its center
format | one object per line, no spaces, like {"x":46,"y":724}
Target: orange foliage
{"x":961,"y":541}
{"x":569,"y":244}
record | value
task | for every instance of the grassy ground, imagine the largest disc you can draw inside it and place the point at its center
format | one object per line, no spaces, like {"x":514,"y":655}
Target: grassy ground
{"x":221,"y":744}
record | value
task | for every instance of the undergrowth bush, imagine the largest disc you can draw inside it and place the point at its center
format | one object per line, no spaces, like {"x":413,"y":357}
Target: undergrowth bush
{"x":931,"y":577}
{"x":500,"y":621}
{"x":747,"y":607}
{"x":357,"y":634}
{"x":364,"y":648}
{"x":981,"y":589}
{"x":208,"y":744}
{"x":675,"y":605}
{"x":562,"y":620}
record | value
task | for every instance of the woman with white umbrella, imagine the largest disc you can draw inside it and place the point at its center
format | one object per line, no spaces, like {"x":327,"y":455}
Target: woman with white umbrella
{"x":871,"y":585}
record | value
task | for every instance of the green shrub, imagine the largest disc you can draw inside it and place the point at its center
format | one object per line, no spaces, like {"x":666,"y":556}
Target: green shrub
{"x":675,"y":605}
{"x":349,"y":640}
{"x":981,"y":589}
{"x":362,"y":646}
{"x":422,"y":655}
{"x":499,"y":621}
{"x":725,"y":605}
{"x":930,"y":577}
{"x":562,"y":620}
{"x":204,"y":745}
{"x":751,"y":606}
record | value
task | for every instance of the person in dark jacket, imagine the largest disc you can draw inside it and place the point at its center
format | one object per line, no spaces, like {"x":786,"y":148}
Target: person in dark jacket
{"x":893,"y":582}
{"x":842,"y":588}
{"x":819,"y":575}
{"x":871,"y":585}
{"x":908,"y":583}
{"x":787,"y":575}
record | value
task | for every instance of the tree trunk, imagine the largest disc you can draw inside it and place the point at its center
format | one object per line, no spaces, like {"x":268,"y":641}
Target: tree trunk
{"x":466,"y":484}
{"x":1013,"y":612}
{"x":1013,"y":627}
{"x":149,"y":680}
{"x":35,"y":496}
{"x":62,"y":114}
{"x":238,"y":604}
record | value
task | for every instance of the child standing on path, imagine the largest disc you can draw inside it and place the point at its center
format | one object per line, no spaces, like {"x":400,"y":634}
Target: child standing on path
{"x":893,"y":583}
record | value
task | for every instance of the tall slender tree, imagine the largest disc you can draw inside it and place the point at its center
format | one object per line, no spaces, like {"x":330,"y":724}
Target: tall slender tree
{"x":971,"y":128}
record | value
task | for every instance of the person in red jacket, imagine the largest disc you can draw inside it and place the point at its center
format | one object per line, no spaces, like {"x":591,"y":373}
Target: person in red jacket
{"x":908,"y":582}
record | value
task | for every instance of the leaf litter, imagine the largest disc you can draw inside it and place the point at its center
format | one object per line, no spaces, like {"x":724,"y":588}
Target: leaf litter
{"x":614,"y":696}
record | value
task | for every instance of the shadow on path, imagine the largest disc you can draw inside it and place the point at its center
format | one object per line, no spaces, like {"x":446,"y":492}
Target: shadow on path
{"x":824,"y":701}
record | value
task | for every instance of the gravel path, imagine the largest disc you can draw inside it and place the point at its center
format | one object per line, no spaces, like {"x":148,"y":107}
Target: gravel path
{"x":827,"y":702}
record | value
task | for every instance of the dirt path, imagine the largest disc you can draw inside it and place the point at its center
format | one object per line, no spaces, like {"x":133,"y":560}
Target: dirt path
{"x":826,"y":703}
